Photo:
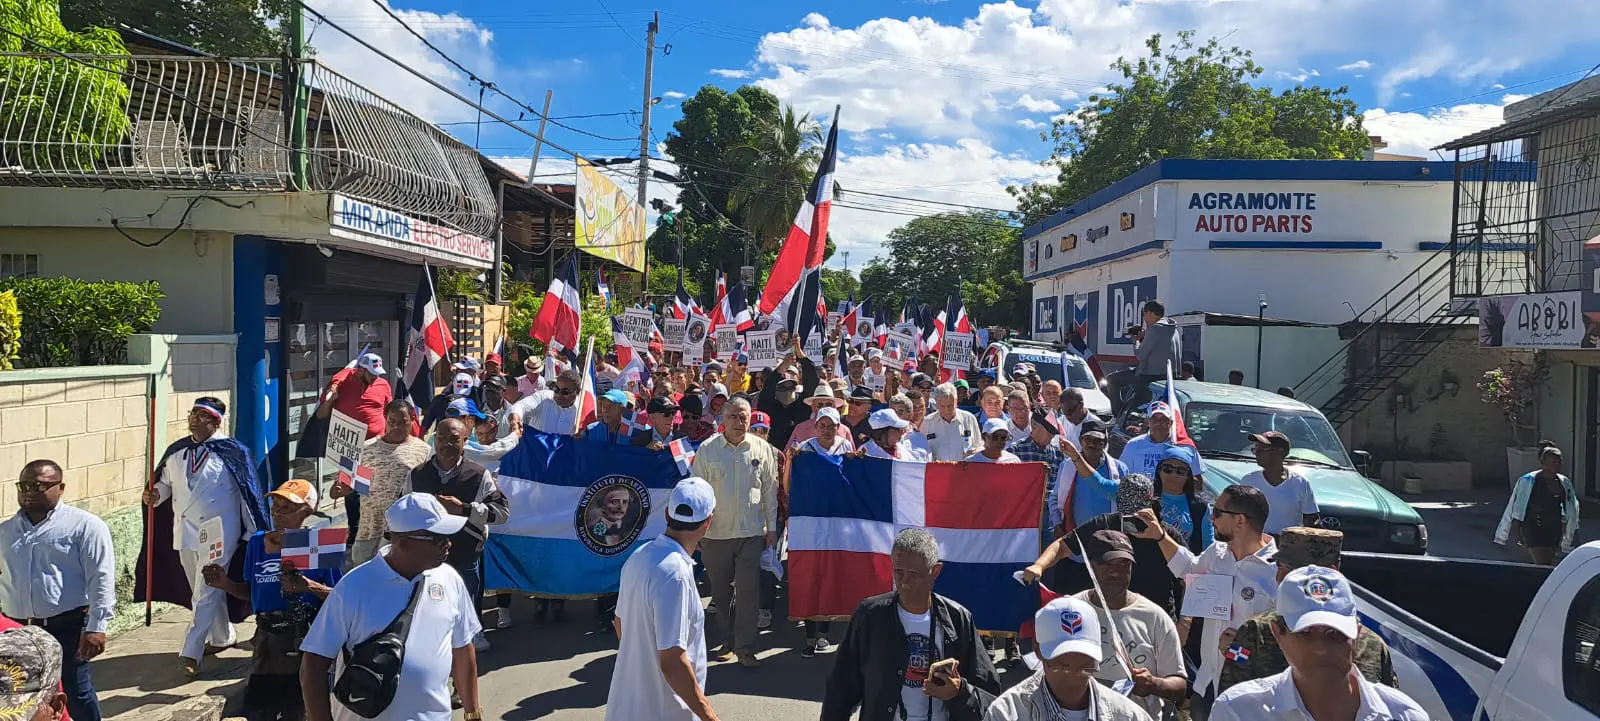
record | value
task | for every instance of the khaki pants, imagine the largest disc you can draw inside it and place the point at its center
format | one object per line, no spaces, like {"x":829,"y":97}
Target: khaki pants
{"x":734,"y":568}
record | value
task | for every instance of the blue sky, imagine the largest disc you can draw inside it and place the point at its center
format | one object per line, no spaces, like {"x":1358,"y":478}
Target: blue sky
{"x":943,"y":101}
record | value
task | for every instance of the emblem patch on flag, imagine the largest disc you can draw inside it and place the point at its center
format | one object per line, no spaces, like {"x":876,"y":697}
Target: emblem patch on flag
{"x":611,"y":513}
{"x":308,"y":549}
{"x":1237,"y":654}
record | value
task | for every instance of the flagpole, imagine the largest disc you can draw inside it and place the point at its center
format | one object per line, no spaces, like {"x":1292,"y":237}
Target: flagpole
{"x":428,"y":274}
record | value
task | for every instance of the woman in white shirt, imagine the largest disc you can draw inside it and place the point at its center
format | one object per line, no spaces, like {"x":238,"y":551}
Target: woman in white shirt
{"x":887,"y":430}
{"x":995,"y":437}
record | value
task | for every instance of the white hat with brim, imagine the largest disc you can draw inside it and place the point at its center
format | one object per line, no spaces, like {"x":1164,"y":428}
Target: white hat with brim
{"x":823,"y":395}
{"x":422,"y":512}
{"x":1065,"y":625}
{"x":1317,"y":596}
{"x":886,"y":418}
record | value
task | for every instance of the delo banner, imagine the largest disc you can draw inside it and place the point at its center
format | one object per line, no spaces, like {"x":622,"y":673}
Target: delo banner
{"x":1125,"y":307}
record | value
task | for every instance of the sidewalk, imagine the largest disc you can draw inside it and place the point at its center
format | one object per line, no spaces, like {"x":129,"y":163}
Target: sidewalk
{"x":139,"y":677}
{"x":1461,"y":524}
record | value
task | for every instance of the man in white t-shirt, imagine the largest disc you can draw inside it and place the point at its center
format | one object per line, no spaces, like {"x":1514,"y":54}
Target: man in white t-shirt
{"x":1289,"y":494}
{"x":660,"y":671}
{"x":1149,"y":638}
{"x":439,"y":644}
{"x":551,"y":411}
{"x":996,"y":434}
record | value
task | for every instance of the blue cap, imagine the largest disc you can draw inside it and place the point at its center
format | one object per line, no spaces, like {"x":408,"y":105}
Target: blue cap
{"x":464,"y":407}
{"x":615,"y":396}
{"x":1179,"y":453}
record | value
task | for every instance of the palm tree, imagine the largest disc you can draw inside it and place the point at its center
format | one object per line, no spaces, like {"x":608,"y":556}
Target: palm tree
{"x":778,"y":163}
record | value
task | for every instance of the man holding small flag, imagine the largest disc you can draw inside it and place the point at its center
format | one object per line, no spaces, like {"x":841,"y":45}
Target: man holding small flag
{"x":391,"y":458}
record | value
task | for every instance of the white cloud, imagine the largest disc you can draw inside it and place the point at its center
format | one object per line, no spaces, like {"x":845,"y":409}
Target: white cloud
{"x":1037,"y":105}
{"x":1357,"y":65}
{"x":969,"y":172}
{"x":730,"y":73}
{"x":1416,"y":133}
{"x":460,"y":37}
{"x":673,"y":94}
{"x":1300,"y":75}
{"x":1032,"y":124}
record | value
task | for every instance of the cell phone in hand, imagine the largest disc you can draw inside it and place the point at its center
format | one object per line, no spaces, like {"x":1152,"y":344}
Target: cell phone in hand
{"x":1133,"y":524}
{"x":939,"y":673}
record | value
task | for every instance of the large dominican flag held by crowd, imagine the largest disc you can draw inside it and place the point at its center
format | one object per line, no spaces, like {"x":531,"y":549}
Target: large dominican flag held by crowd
{"x":578,"y":508}
{"x":844,"y":513}
{"x":795,"y":285}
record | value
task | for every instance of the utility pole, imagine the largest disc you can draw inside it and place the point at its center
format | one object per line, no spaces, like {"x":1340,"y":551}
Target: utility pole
{"x":299,"y":168}
{"x":644,"y":146}
{"x":538,"y":141}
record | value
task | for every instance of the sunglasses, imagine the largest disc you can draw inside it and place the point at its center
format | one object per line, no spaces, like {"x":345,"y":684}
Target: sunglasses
{"x":432,"y":539}
{"x":565,"y":391}
{"x":1175,"y":470}
{"x":1218,"y":512}
{"x":36,"y":486}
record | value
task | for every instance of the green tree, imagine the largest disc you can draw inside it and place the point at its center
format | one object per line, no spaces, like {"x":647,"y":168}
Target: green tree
{"x":930,"y":257}
{"x":838,"y":285}
{"x":878,"y":282}
{"x":778,"y":164}
{"x":237,"y":28}
{"x":1188,"y":101}
{"x":58,"y":114}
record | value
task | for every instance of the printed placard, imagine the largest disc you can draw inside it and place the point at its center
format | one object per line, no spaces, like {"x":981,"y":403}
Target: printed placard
{"x":762,"y":345}
{"x":905,"y":343}
{"x":637,"y":322}
{"x":211,"y":539}
{"x":960,"y":350}
{"x":727,"y":341}
{"x":672,"y":335}
{"x":813,"y":347}
{"x":833,"y":320}
{"x":345,"y":436}
{"x":695,"y":334}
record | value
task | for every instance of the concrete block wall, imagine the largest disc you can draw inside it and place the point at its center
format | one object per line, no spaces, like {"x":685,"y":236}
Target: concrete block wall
{"x":197,"y":369}
{"x":94,"y":426}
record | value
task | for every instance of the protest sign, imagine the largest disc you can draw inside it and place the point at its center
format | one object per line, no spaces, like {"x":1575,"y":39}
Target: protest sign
{"x":211,"y":539}
{"x":905,"y":343}
{"x":727,"y":341}
{"x":694,"y":338}
{"x":636,"y":322}
{"x":959,"y":351}
{"x":672,"y":335}
{"x":834,"y":319}
{"x":762,"y":345}
{"x":813,"y":347}
{"x":345,"y":436}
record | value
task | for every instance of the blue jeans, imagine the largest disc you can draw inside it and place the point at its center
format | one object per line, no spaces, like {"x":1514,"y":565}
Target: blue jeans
{"x":82,"y":701}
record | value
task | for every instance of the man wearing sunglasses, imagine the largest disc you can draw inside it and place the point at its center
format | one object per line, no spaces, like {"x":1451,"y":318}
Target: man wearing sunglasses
{"x":438,"y":648}
{"x":1242,"y":552}
{"x":59,"y":575}
{"x":554,"y":410}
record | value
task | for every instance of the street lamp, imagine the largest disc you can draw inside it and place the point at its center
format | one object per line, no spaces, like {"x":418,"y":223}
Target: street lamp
{"x":1261,"y":322}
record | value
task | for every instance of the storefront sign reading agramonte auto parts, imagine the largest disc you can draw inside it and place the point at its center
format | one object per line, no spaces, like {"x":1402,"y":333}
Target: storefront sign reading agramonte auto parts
{"x":1254,"y":212}
{"x":358,"y":220}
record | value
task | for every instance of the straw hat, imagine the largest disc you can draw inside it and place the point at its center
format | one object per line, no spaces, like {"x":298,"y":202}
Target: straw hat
{"x":824,"y":396}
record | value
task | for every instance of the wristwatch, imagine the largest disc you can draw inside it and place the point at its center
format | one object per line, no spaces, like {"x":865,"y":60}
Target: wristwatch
{"x":472,"y":716}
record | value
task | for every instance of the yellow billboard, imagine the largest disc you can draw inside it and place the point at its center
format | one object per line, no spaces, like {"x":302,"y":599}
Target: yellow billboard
{"x":610,"y":224}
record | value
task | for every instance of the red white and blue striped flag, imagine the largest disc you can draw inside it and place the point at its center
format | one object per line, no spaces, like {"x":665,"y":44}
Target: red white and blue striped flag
{"x":683,"y":452}
{"x":308,"y":549}
{"x":844,"y":513}
{"x":795,"y":285}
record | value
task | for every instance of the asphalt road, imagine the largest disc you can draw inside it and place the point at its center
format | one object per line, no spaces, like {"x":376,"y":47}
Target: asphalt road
{"x":563,"y":672}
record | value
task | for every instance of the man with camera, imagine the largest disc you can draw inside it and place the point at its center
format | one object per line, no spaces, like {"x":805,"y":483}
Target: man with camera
{"x":1158,"y":346}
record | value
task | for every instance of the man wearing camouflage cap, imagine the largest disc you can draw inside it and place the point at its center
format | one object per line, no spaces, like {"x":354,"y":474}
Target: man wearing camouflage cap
{"x":1251,"y":652}
{"x":30,"y":690}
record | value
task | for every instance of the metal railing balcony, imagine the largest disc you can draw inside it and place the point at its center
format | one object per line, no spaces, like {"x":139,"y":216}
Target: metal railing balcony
{"x":219,"y":124}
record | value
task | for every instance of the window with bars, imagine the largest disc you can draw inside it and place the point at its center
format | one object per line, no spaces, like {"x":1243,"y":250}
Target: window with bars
{"x":19,"y":265}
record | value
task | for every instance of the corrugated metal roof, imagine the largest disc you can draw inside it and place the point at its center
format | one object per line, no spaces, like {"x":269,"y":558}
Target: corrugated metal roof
{"x":1563,"y":109}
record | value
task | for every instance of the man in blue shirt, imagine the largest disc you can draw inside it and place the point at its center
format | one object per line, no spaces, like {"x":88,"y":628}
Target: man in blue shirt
{"x":1143,"y":453}
{"x":609,"y":428}
{"x":59,"y":575}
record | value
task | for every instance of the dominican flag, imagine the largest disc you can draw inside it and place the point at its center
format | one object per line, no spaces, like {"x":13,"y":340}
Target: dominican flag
{"x":360,"y":479}
{"x":588,"y":400}
{"x":605,"y":290}
{"x":1078,"y":336}
{"x":844,"y":513}
{"x":932,"y":330}
{"x":794,"y":287}
{"x":683,"y":304}
{"x":1180,"y":431}
{"x":720,"y":311}
{"x":309,"y":549}
{"x":955,"y":315}
{"x":683,"y":453}
{"x":578,"y":509}
{"x":428,"y":341}
{"x":560,"y":315}
{"x":634,"y":364}
{"x":738,"y":312}
{"x":880,"y":331}
{"x":658,"y":342}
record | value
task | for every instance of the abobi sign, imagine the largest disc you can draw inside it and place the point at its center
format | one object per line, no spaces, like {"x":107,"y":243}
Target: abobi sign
{"x":1253,"y":212}
{"x":362,"y":221}
{"x":1125,"y":307}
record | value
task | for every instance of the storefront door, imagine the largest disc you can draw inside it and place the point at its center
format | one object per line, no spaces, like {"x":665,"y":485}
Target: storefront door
{"x":314,"y":353}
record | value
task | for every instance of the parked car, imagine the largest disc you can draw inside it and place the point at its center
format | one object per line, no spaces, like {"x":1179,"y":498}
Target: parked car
{"x":1221,"y":418}
{"x":1054,"y":364}
{"x":1487,"y":640}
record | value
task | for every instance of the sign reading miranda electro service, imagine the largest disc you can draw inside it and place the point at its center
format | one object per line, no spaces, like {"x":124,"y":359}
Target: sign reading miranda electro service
{"x":1254,"y":212}
{"x":359,"y":220}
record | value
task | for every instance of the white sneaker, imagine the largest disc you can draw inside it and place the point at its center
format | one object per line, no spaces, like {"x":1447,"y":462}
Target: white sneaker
{"x":480,"y":642}
{"x":763,"y":618}
{"x":502,"y":618}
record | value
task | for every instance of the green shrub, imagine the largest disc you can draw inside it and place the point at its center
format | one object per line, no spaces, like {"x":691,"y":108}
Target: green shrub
{"x":72,"y":322}
{"x":10,"y":329}
{"x":596,"y":323}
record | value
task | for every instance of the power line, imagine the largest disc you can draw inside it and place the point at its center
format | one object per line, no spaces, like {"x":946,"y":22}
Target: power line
{"x":618,"y":23}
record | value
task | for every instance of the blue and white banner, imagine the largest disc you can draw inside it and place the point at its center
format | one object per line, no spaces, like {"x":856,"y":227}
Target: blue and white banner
{"x":578,"y":507}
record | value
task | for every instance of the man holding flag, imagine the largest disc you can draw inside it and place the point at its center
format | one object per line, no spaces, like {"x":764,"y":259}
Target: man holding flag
{"x":391,"y":456}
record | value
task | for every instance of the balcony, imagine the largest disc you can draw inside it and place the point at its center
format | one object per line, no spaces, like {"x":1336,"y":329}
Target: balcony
{"x":206,"y":124}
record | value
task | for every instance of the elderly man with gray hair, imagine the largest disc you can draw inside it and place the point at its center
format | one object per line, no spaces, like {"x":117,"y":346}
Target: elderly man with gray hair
{"x":911,"y":653}
{"x":953,"y":434}
{"x":743,"y":472}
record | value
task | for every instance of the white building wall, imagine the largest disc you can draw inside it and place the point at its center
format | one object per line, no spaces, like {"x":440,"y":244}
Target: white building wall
{"x":1288,"y":354}
{"x":195,"y":270}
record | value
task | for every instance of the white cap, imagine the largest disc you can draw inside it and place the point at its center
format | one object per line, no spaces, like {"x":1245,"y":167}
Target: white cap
{"x":995,"y":424}
{"x":886,"y":418}
{"x":695,"y":493}
{"x":422,"y":512}
{"x":1066,"y":625}
{"x":462,"y":383}
{"x":874,"y":353}
{"x":371,"y":362}
{"x":830,"y":413}
{"x":1317,"y":596}
{"x":1159,"y":408}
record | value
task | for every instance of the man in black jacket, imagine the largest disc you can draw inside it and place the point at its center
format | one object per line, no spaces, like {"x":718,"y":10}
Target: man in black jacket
{"x":909,"y":652}
{"x":466,"y":489}
{"x":783,"y":399}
